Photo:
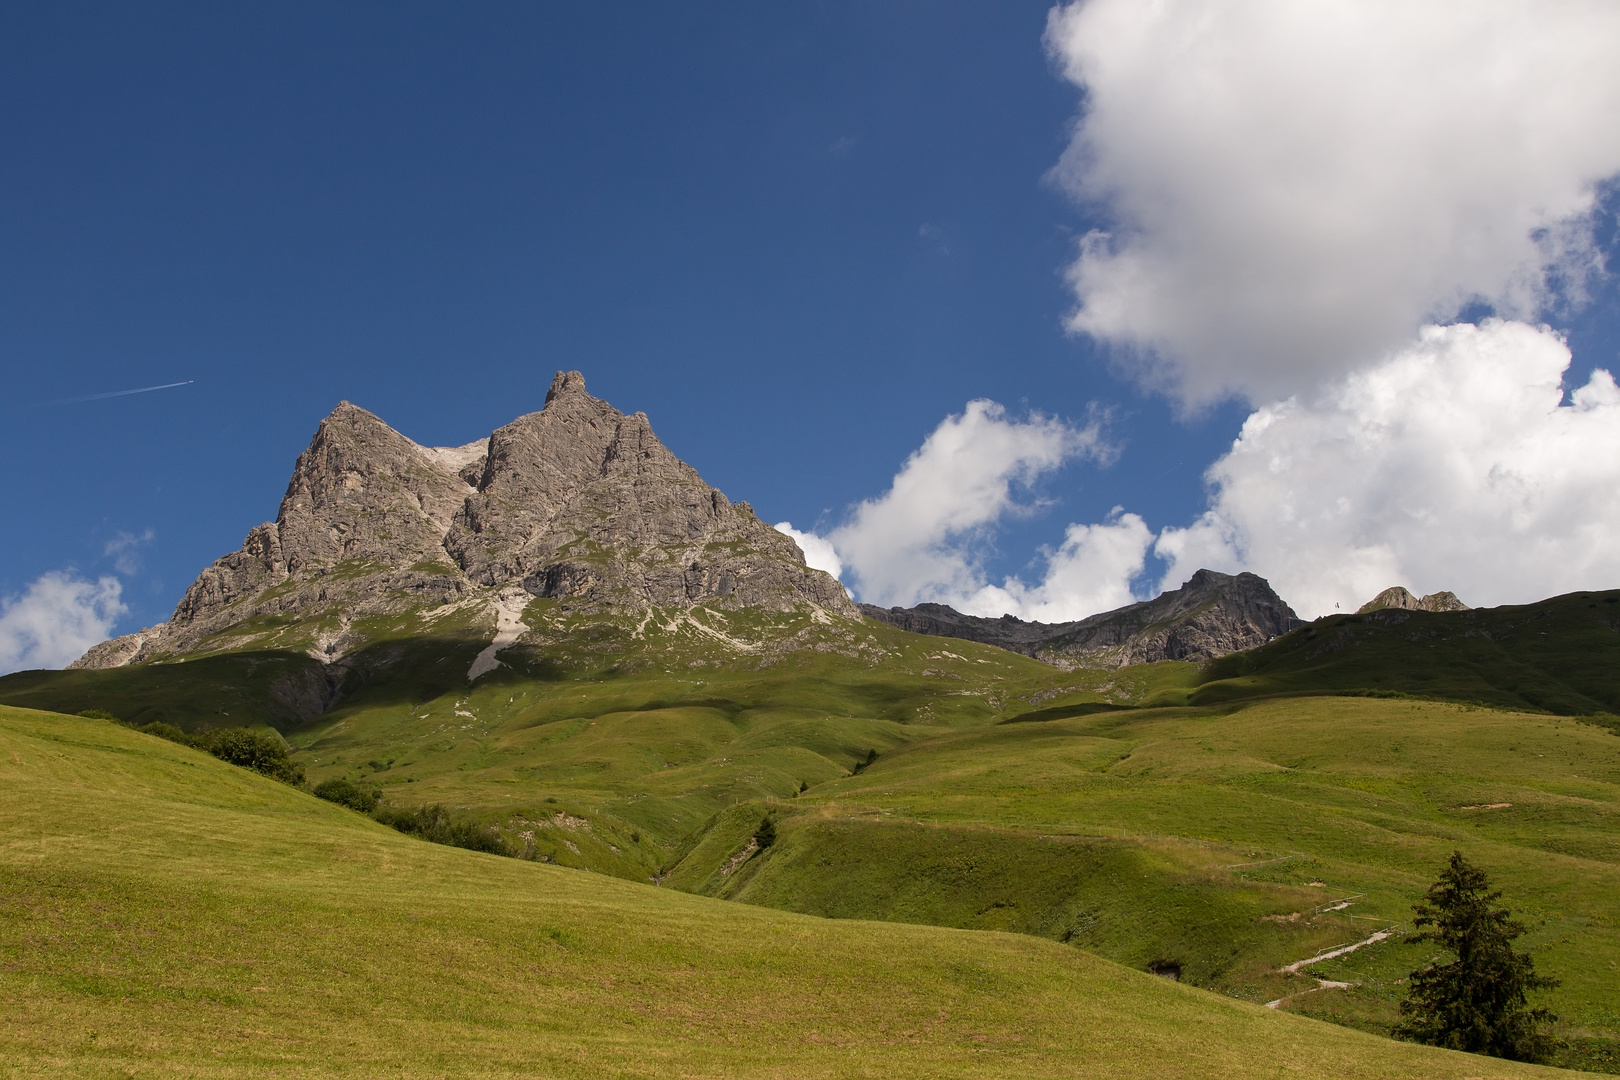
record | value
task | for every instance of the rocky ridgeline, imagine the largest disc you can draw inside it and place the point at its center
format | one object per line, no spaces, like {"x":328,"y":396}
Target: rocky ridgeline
{"x":1400,"y":599}
{"x":1211,"y":615}
{"x":577,"y":501}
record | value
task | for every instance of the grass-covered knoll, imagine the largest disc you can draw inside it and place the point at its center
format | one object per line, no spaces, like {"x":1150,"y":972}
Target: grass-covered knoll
{"x":1195,"y":836}
{"x":164,"y":914}
{"x":1560,"y":656}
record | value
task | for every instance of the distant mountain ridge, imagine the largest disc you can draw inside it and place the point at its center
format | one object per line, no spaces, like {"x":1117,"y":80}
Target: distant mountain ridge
{"x":1211,"y":615}
{"x":577,"y":501}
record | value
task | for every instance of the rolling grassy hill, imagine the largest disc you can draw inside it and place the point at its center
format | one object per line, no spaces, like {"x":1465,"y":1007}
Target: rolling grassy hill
{"x":165,"y":914}
{"x":1213,"y":840}
{"x":1219,"y":822}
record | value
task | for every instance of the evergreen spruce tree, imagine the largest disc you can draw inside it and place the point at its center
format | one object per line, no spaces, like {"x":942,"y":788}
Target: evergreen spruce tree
{"x":765,"y":835}
{"x":1476,"y":1003}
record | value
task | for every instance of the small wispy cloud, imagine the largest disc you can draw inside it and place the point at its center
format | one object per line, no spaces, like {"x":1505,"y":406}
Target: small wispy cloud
{"x":124,"y":550}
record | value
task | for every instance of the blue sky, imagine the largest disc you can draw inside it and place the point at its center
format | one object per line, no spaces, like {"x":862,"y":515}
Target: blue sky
{"x":798,"y":236}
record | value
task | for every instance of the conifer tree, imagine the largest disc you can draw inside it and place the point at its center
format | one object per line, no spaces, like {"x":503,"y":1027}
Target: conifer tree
{"x":765,"y":835}
{"x":1477,"y":1003}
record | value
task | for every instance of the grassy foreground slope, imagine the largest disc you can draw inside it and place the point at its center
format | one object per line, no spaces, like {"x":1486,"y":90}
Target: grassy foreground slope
{"x":163,"y":914}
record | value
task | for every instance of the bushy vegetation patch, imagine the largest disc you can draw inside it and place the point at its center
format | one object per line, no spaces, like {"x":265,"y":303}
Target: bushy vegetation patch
{"x":251,"y":750}
{"x":435,"y":823}
{"x":346,"y":792}
{"x":238,"y":746}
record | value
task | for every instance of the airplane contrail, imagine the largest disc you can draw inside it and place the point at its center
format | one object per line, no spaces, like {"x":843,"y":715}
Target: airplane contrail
{"x":120,"y":393}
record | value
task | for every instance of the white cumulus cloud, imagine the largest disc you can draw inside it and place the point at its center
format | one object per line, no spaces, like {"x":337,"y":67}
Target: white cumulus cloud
{"x":1293,"y":189}
{"x":1452,"y":465}
{"x":1090,"y":571}
{"x":819,"y":553}
{"x":925,"y":538}
{"x":56,"y":619}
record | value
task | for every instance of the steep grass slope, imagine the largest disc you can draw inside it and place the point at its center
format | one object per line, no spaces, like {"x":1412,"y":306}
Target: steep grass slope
{"x":1560,"y":655}
{"x":164,"y":914}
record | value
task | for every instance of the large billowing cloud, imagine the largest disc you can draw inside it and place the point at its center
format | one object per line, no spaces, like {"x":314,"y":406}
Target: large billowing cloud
{"x":56,"y":619}
{"x":1296,"y":194}
{"x":1451,"y":465}
{"x":1294,"y":188}
{"x":922,"y":539}
{"x":1456,"y":463}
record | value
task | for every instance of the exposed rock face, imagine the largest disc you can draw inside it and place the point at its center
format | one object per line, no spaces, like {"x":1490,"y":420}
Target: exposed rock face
{"x":1211,"y":615}
{"x":1398,"y":597}
{"x":575,"y":501}
{"x":580,"y":500}
{"x":119,"y":650}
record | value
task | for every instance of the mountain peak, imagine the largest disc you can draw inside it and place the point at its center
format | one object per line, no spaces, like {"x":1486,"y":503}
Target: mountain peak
{"x":576,"y":501}
{"x":563,"y":383}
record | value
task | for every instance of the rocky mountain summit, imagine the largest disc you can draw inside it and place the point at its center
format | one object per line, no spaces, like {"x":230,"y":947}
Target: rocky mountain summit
{"x":577,"y":502}
{"x":1400,"y":599}
{"x":1211,"y":615}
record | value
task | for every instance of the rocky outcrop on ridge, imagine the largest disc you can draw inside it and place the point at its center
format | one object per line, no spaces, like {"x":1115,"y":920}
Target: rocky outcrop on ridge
{"x":1211,"y":615}
{"x":577,"y":501}
{"x":118,"y":651}
{"x":1399,"y":598}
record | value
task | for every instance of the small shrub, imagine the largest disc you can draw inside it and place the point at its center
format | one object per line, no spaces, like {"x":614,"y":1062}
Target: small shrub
{"x":98,"y":714}
{"x":635,"y":836}
{"x":167,"y":731}
{"x":348,"y":793}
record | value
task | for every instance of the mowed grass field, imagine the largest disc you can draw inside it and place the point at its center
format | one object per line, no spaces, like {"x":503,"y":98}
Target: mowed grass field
{"x":164,"y":914}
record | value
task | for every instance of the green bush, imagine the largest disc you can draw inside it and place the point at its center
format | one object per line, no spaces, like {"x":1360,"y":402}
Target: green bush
{"x":238,"y":746}
{"x":434,"y":823}
{"x":97,"y":714}
{"x":348,"y":793}
{"x":250,"y":750}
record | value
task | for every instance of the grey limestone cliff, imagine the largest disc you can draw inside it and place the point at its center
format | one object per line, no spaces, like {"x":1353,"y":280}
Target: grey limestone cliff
{"x":1211,"y":615}
{"x":577,"y":501}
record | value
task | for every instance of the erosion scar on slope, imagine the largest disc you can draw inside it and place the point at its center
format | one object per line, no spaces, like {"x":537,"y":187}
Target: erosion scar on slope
{"x":508,"y":605}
